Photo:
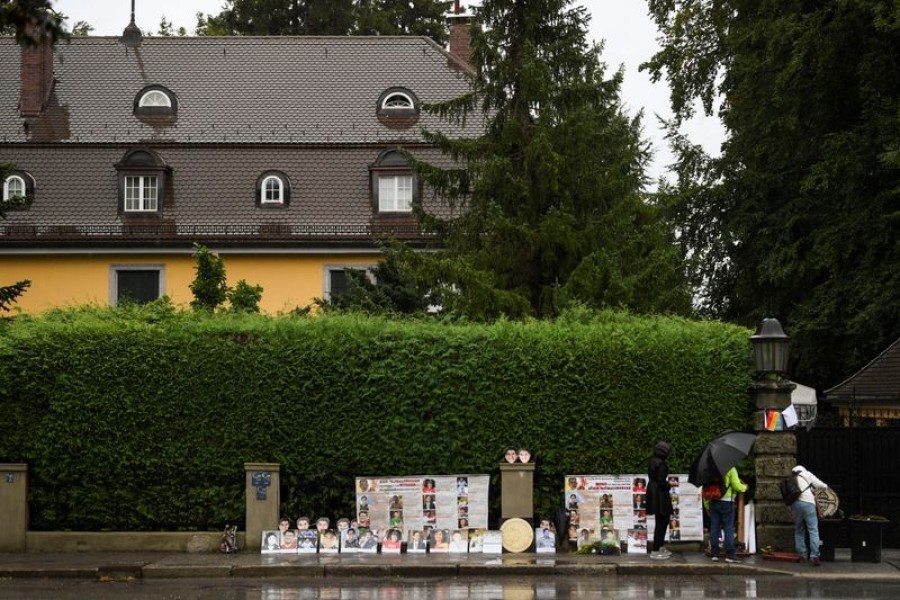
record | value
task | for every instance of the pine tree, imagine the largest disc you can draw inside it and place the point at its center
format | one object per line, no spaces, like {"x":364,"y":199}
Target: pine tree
{"x":548,"y":202}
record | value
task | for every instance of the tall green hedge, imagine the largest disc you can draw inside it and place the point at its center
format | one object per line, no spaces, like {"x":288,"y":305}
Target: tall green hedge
{"x":136,"y":423}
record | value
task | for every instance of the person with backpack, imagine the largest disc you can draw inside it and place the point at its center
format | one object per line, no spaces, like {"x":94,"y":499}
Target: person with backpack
{"x":721,"y":515}
{"x":806,"y":519}
{"x":659,"y":498}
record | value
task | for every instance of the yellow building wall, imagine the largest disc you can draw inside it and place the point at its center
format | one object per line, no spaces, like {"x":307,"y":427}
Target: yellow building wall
{"x":288,"y":281}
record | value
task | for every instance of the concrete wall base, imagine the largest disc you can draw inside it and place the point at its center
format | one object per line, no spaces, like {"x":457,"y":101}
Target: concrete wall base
{"x":125,"y":541}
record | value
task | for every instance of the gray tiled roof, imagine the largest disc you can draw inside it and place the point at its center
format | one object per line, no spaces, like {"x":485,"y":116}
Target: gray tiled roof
{"x":234,"y":89}
{"x":305,"y":106}
{"x":878,"y":381}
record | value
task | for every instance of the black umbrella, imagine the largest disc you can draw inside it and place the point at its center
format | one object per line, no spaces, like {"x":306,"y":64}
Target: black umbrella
{"x":724,"y":452}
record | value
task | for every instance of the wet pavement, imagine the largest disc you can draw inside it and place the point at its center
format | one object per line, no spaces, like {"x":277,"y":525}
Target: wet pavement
{"x":115,"y":566}
{"x":450,"y":588}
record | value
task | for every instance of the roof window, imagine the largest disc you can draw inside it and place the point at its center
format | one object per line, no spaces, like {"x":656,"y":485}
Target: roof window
{"x":155,"y":101}
{"x":398,"y":108}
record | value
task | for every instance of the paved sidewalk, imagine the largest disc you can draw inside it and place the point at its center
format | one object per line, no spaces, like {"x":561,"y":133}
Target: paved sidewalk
{"x":164,"y":565}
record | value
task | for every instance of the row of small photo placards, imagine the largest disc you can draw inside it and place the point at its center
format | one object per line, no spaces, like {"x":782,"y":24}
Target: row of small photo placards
{"x":432,"y":541}
{"x":436,"y":541}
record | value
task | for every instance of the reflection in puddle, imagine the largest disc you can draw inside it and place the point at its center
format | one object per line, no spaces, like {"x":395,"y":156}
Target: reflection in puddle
{"x":535,"y":588}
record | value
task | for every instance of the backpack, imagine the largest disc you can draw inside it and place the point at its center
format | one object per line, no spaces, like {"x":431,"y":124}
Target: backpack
{"x":790,"y":489}
{"x":713,"y":490}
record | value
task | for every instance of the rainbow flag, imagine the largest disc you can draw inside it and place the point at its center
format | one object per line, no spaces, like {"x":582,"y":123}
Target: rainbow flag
{"x":773,"y":420}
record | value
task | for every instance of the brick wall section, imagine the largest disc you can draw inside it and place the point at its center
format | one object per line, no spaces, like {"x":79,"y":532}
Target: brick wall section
{"x":37,"y":75}
{"x":461,"y":38}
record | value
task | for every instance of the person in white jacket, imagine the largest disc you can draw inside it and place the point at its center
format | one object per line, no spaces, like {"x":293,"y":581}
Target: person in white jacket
{"x":806,"y":519}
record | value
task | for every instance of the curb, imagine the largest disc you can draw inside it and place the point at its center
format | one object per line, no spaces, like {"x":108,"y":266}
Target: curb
{"x":126,"y":567}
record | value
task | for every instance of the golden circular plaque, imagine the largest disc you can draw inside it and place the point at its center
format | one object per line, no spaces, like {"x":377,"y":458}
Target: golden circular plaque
{"x":517,"y":535}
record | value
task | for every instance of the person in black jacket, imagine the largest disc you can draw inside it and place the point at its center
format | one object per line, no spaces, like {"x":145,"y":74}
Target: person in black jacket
{"x":659,"y":500}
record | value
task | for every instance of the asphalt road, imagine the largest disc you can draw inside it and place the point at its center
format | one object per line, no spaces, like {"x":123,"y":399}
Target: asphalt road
{"x":505,"y":588}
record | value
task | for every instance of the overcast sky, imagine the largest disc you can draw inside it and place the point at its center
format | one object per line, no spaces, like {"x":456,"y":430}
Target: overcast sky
{"x":629,"y":34}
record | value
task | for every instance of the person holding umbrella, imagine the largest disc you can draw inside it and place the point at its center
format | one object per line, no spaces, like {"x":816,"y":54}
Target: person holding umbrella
{"x":715,"y":464}
{"x":721,"y":516}
{"x":659,"y":499}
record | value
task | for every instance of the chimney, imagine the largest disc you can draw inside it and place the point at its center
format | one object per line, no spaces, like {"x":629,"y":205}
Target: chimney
{"x":36,"y":71}
{"x":131,"y":36}
{"x":460,"y":37}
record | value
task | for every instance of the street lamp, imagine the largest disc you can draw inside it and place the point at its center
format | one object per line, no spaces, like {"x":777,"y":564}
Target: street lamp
{"x":775,"y":452}
{"x":770,"y":348}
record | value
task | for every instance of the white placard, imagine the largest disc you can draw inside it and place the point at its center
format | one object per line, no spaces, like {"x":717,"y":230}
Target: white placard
{"x":415,"y":502}
{"x":619,"y":502}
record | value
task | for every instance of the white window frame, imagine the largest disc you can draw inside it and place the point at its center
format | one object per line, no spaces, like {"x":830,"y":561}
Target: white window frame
{"x":263,"y":192}
{"x":155,"y":98}
{"x":395,"y":193}
{"x":8,"y":183}
{"x":398,"y":101}
{"x":143,"y":202}
{"x":328,"y":269}
{"x":115,"y":269}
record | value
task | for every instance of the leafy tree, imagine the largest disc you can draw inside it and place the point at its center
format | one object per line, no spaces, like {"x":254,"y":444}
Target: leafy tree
{"x":328,"y":17}
{"x":82,"y":29}
{"x":166,"y":29}
{"x":244,"y":297}
{"x":280,"y":17}
{"x":547,"y":206}
{"x":403,"y":17}
{"x":209,"y":25}
{"x":209,"y":286}
{"x":16,"y":15}
{"x":798,"y":218}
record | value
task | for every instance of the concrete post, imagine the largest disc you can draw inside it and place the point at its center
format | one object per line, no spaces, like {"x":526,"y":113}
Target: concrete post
{"x":517,"y":491}
{"x":13,"y":506}
{"x":263,"y":501}
{"x":775,"y":456}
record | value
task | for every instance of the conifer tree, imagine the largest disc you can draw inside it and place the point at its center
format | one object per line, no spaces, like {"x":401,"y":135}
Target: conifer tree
{"x":210,"y":287}
{"x":548,"y":203}
{"x":798,"y":216}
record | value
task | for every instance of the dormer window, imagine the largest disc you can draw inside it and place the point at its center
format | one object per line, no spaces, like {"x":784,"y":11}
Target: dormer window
{"x":155,"y":101}
{"x":13,"y":188}
{"x":18,"y":189}
{"x":155,"y":98}
{"x":273,"y":190}
{"x":398,"y":100}
{"x":398,"y":108}
{"x":142,"y":180}
{"x":394,"y":184}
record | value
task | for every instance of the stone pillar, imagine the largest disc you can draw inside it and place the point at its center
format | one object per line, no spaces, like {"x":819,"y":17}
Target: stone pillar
{"x":13,"y":507}
{"x":517,"y":491}
{"x":263,"y":501}
{"x":775,"y":456}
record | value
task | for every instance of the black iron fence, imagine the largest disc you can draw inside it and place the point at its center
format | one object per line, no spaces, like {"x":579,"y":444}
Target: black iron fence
{"x":862,"y":465}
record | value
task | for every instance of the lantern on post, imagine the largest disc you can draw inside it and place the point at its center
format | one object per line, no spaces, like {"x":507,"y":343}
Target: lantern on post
{"x":771,"y":346}
{"x":775,"y":451}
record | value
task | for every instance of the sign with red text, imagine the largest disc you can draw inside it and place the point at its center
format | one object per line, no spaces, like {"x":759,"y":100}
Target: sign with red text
{"x":422,"y":501}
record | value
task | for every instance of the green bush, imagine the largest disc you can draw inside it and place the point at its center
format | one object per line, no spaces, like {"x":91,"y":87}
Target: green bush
{"x":142,"y":419}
